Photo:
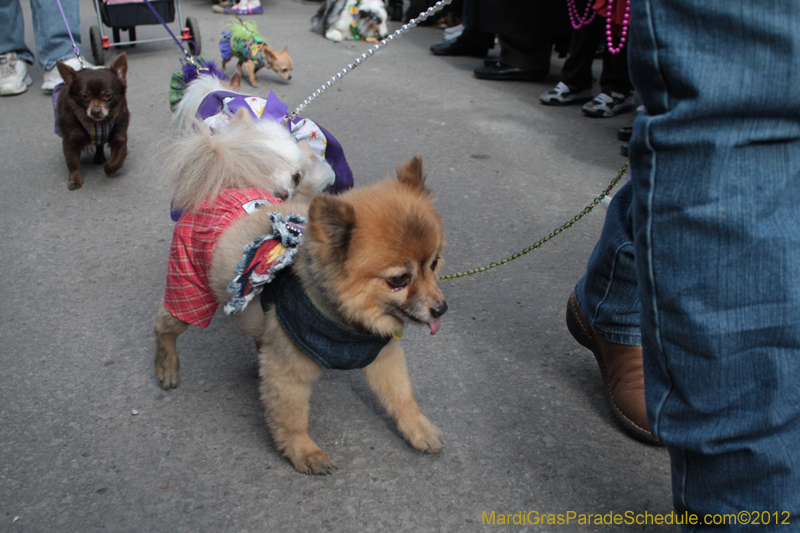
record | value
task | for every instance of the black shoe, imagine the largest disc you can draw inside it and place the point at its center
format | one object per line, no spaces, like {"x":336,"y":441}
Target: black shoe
{"x":459,"y":47}
{"x":624,"y":149}
{"x":624,"y":134}
{"x":500,"y":71}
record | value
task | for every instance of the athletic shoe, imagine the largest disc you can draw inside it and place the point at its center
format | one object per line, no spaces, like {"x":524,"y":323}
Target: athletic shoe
{"x":251,"y":7}
{"x":609,"y":104}
{"x":562,"y":94}
{"x":52,"y":77}
{"x":14,"y":78}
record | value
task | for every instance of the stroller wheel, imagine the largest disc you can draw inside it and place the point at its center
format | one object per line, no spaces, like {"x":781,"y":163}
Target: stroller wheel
{"x":194,"y":35}
{"x":97,"y":45}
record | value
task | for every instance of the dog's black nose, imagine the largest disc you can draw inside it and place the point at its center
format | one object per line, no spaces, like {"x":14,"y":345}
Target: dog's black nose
{"x":439,"y":310}
{"x":282,"y":194}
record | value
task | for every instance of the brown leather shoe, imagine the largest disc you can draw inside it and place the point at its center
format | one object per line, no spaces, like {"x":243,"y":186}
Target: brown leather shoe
{"x":623,"y":374}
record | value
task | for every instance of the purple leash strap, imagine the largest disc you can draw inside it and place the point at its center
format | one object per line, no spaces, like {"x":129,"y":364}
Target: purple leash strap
{"x":74,"y":46}
{"x":177,"y":41}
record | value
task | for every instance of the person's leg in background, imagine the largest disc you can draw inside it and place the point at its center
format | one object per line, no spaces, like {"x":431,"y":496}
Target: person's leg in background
{"x":577,"y":80}
{"x":616,"y":89}
{"x":716,"y":173}
{"x":52,"y":38}
{"x":527,"y":32}
{"x":471,"y":41}
{"x":15,"y":56}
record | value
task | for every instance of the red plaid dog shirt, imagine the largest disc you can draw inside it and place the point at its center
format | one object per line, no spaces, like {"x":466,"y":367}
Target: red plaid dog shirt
{"x":187,"y":295}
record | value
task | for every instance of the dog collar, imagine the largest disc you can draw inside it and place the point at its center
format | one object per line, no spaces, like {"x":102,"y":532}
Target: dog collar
{"x":328,"y":343}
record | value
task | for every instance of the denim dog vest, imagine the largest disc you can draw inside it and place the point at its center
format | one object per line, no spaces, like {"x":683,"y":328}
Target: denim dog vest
{"x":326,"y":342}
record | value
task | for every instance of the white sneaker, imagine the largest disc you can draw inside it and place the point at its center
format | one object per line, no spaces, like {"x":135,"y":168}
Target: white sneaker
{"x":453,"y":32}
{"x":562,"y":94}
{"x":14,"y":78}
{"x":609,"y":105}
{"x":248,"y":7}
{"x":52,"y":77}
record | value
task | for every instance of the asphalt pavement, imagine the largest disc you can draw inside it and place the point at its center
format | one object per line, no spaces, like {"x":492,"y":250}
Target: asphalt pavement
{"x":89,"y":441}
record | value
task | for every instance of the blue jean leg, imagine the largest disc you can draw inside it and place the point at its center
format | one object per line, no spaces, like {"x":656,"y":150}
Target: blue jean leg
{"x":716,"y":175}
{"x":51,"y":33}
{"x":12,"y":30}
{"x":608,"y":294}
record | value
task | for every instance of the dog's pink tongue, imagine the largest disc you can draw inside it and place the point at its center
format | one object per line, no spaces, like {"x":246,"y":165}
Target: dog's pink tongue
{"x":435,"y":325}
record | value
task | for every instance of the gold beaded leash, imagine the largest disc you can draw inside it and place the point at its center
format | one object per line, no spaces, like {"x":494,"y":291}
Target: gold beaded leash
{"x":538,"y":244}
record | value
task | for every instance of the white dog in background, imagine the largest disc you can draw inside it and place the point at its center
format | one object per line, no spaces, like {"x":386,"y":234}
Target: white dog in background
{"x":340,"y":20}
{"x":229,"y":149}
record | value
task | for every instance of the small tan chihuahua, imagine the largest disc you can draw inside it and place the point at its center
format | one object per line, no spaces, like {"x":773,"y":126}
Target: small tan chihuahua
{"x":242,"y":41}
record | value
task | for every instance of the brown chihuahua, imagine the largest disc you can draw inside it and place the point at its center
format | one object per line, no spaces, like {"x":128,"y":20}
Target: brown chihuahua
{"x":92,"y":110}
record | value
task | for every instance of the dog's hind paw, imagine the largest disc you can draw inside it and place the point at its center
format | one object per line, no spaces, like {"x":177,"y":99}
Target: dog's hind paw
{"x":168,"y":370}
{"x":168,"y":379}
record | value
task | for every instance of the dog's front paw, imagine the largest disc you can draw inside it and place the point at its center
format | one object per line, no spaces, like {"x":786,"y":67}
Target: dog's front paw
{"x":111,"y":167}
{"x":421,"y":433}
{"x":314,"y":462}
{"x":334,"y":35}
{"x":75,"y":180}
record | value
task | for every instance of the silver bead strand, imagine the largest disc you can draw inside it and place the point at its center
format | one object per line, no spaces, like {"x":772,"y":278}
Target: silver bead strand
{"x":366,"y":55}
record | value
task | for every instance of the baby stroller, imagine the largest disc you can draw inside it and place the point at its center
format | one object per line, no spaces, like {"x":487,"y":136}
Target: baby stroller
{"x":125,"y":15}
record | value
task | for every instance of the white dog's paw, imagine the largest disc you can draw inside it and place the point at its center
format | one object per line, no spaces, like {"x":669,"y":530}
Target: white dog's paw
{"x":334,"y":35}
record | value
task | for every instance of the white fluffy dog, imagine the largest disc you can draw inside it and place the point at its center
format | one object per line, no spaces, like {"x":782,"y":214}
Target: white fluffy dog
{"x":340,"y":20}
{"x":220,"y":146}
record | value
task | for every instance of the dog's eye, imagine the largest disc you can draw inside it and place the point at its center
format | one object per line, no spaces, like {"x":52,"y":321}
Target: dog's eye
{"x":85,"y":97}
{"x":399,"y":282}
{"x":296,"y":179}
{"x":107,"y":97}
{"x":435,"y":262}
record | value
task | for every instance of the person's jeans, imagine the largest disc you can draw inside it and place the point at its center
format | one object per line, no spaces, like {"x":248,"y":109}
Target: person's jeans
{"x":715,"y":221}
{"x":49,"y":31}
{"x":608,"y":294}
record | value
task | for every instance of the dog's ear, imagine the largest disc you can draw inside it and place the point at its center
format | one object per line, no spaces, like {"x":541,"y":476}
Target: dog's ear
{"x":269,"y":53}
{"x":306,"y":148}
{"x":412,"y":174}
{"x":67,"y":73}
{"x":331,"y":223}
{"x":120,"y":66}
{"x":236,"y":82}
{"x":243,"y":117}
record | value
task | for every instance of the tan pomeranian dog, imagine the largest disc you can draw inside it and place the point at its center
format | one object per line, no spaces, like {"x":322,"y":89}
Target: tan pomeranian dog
{"x":368,"y":265}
